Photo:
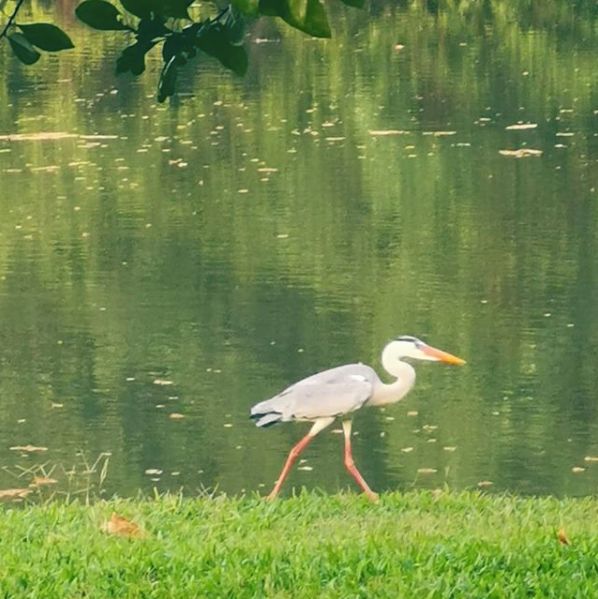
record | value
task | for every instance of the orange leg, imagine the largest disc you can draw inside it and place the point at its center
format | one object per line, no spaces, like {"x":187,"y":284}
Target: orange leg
{"x":293,"y":455}
{"x":350,"y":464}
{"x":295,"y":452}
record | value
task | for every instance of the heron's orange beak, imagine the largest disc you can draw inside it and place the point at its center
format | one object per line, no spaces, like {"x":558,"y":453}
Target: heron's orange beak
{"x":442,"y":356}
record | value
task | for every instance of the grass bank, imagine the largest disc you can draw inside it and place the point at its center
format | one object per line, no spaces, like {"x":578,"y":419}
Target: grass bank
{"x":418,"y":544}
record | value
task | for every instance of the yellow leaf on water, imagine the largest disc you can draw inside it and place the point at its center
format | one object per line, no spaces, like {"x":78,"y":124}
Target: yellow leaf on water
{"x":14,"y":493}
{"x":577,"y":469}
{"x":591,"y":458}
{"x":28,"y":448}
{"x":176,"y":416}
{"x":117,"y":525}
{"x":427,"y":470}
{"x":162,"y":382}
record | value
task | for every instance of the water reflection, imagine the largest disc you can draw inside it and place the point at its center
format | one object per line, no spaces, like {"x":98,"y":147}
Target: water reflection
{"x":258,"y":230}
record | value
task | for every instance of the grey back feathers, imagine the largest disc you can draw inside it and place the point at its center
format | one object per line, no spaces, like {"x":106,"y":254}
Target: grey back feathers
{"x":334,"y":392}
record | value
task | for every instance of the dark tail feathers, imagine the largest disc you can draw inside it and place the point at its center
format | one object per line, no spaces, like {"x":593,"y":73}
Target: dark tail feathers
{"x":264,"y":420}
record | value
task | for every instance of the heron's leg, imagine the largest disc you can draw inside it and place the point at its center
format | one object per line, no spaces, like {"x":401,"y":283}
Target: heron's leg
{"x":318,"y":425}
{"x":350,"y":464}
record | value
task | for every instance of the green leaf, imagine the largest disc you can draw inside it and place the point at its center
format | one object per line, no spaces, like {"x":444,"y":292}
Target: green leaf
{"x":132,"y":59}
{"x":47,"y":37}
{"x":150,"y":30}
{"x":178,"y":44}
{"x":139,"y":8}
{"x":23,"y":49}
{"x":177,"y":9}
{"x":355,"y":3}
{"x":308,"y":16}
{"x":234,"y":26}
{"x":272,"y":8}
{"x":168,"y":78}
{"x":213,"y":41}
{"x":100,"y":15}
{"x":249,"y":7}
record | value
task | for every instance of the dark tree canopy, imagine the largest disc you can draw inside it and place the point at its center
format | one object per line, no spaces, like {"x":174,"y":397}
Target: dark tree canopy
{"x":183,"y":34}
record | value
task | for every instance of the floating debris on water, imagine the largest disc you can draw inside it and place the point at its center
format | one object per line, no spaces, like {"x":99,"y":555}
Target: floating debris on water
{"x":28,"y":448}
{"x":384,"y":132}
{"x":439,"y":133}
{"x":521,"y":126}
{"x":521,"y":153}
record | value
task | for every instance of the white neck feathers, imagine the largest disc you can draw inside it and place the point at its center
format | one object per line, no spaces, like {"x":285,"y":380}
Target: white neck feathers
{"x":405,"y":375}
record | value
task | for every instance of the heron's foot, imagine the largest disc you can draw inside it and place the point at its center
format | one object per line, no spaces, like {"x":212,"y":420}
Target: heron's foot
{"x":271,"y":497}
{"x":373,"y":496}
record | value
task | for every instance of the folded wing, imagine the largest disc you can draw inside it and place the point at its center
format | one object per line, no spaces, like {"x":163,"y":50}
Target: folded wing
{"x":334,"y":392}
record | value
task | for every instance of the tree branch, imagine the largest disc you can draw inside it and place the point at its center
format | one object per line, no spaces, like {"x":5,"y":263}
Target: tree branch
{"x":11,"y":18}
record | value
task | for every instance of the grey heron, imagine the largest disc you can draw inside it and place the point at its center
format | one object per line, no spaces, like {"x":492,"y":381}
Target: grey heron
{"x":339,"y":392}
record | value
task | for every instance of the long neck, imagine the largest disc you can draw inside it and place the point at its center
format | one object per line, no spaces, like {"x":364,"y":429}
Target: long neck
{"x":405,"y":378}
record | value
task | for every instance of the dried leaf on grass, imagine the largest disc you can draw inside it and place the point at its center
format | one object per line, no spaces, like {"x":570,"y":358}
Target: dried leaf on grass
{"x":119,"y":526}
{"x":562,"y":536}
{"x":9,"y":494}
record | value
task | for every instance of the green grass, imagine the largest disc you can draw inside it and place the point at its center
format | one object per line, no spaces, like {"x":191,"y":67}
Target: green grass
{"x":418,"y":544}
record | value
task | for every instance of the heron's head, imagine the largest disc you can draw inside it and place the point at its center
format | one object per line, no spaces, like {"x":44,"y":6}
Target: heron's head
{"x":412,"y":347}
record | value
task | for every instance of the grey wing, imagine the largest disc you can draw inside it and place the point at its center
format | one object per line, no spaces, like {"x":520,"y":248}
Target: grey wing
{"x":334,"y":392}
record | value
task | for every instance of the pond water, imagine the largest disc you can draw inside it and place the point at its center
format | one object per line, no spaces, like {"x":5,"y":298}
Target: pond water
{"x":164,"y":267}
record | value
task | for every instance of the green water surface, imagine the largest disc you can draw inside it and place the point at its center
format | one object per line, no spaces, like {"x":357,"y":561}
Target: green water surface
{"x":198,"y":256}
